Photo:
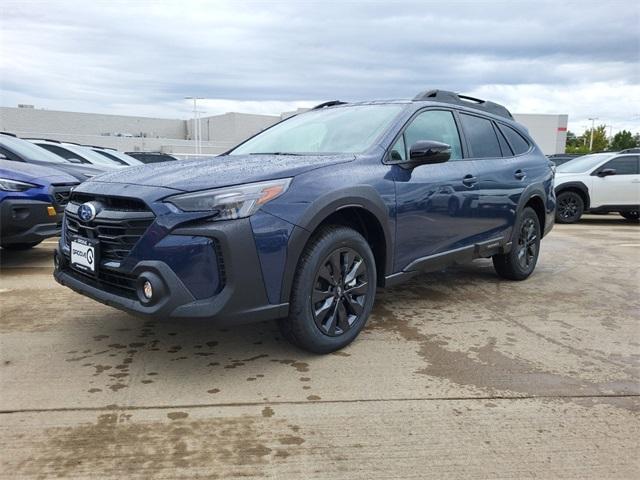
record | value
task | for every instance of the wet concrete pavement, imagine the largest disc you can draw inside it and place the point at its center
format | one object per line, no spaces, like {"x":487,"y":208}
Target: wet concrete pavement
{"x":458,"y":374}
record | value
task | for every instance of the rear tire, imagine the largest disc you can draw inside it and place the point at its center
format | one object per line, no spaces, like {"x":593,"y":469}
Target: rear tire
{"x":20,"y":246}
{"x":632,"y":215}
{"x":333,"y":291}
{"x":521,"y":261}
{"x":570,"y":207}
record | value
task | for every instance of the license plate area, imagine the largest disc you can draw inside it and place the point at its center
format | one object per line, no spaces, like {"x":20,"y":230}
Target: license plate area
{"x":85,"y":254}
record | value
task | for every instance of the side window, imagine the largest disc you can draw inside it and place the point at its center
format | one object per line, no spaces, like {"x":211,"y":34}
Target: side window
{"x":438,"y":125}
{"x":518,"y":143}
{"x":398,"y":151}
{"x":10,"y":155}
{"x":481,"y":136}
{"x":622,"y":165}
{"x":61,"y":152}
{"x":504,"y":146}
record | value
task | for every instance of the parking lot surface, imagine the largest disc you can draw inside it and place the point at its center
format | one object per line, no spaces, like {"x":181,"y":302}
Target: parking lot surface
{"x":457,"y":375}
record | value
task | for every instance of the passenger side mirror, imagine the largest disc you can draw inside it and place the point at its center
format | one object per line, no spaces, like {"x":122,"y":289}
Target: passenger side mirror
{"x":606,"y":172}
{"x":425,"y":152}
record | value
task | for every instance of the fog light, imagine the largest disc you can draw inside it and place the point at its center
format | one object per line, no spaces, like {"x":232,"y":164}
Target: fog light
{"x":147,"y":289}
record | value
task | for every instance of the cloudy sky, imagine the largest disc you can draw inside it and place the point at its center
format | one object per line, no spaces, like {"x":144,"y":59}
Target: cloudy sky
{"x":142,"y":57}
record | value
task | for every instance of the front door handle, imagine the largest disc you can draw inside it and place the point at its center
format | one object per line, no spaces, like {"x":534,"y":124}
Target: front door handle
{"x":519,"y":175}
{"x":469,"y":180}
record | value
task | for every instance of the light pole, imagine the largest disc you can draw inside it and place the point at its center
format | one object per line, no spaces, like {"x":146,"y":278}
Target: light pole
{"x":593,"y":123}
{"x":196,"y":121}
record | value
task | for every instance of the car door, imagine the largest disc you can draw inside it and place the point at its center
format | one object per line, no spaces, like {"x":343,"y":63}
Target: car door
{"x":616,"y":182}
{"x":501,"y":178}
{"x":432,"y":201}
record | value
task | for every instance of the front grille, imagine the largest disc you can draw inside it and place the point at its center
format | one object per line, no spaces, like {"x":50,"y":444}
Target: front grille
{"x":61,"y":195}
{"x":117,"y":229}
{"x":110,"y":281}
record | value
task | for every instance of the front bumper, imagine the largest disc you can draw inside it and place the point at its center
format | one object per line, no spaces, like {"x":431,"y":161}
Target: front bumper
{"x":27,"y":221}
{"x":242,"y":296}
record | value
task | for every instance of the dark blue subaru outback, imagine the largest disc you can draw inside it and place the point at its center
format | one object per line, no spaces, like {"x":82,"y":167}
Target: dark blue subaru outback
{"x":304,"y":220}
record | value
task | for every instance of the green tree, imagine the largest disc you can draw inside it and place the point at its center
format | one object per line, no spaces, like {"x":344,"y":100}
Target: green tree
{"x":600,"y":142}
{"x":622,"y":140}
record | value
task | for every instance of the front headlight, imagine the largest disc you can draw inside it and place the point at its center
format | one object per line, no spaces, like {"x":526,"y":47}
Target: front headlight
{"x":7,"y":185}
{"x":231,"y":202}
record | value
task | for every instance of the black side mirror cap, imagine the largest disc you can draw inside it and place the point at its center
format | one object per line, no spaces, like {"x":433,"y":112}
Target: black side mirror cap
{"x":425,"y":152}
{"x":606,"y":172}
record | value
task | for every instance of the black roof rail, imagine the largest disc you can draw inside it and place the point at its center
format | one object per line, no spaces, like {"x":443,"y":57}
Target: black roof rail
{"x":98,"y":146}
{"x":331,"y":103}
{"x":9,"y":134}
{"x":43,"y":139}
{"x":630,"y":150}
{"x":445,"y":96}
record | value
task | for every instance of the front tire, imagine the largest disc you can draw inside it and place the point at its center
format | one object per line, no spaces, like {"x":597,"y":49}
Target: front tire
{"x":521,"y":261}
{"x":631,"y":215}
{"x":333,"y":291}
{"x":569,"y":207}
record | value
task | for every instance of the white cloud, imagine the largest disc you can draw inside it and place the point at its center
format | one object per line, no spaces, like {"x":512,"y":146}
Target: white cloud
{"x":143,"y":57}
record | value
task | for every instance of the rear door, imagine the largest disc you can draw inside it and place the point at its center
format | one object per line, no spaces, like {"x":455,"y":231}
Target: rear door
{"x":621,"y":188}
{"x":501,"y":177}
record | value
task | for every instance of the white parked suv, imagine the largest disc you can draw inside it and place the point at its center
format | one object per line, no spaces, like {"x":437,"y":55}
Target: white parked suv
{"x":598,"y":183}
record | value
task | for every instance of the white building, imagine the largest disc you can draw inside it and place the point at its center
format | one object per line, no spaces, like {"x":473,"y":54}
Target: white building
{"x":218,"y":132}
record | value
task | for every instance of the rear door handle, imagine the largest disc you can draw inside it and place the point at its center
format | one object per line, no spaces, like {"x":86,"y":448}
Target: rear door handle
{"x":469,"y":180}
{"x":519,"y":175}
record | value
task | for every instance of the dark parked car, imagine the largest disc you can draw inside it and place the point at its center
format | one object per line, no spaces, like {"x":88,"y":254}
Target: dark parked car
{"x":32,"y":201}
{"x":152,"y":157}
{"x":304,"y":220}
{"x":18,"y":150}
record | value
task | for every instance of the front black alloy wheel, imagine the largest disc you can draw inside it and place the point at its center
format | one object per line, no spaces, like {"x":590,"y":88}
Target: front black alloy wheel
{"x":339,"y":292}
{"x":569,"y":207}
{"x":333,"y":291}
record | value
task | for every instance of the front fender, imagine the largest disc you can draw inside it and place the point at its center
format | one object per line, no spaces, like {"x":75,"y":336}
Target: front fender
{"x":364,"y":197}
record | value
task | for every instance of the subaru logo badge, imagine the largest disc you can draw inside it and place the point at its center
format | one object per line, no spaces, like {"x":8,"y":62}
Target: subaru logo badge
{"x":87,"y":211}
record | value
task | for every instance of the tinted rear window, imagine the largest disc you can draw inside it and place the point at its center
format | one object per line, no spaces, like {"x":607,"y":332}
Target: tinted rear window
{"x":518,"y":143}
{"x":481,"y":137}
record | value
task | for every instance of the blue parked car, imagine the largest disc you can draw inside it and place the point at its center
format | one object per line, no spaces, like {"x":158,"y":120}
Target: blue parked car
{"x":32,"y":201}
{"x":303,"y":221}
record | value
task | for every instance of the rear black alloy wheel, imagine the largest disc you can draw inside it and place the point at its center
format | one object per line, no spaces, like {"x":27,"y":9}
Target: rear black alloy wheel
{"x":520,"y":261}
{"x":527,"y":249}
{"x":569,"y":208}
{"x":339,"y":292}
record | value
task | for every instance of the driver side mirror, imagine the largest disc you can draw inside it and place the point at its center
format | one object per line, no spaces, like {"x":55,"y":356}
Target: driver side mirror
{"x":74,"y":160}
{"x":425,"y":152}
{"x":606,"y":172}
{"x":3,"y":156}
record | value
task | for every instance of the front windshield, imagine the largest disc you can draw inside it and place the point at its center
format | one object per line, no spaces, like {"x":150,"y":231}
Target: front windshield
{"x":30,"y":151}
{"x":350,"y":129}
{"x":582,"y":164}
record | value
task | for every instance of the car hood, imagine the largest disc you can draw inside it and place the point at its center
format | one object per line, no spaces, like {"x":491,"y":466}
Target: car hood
{"x":80,"y":171}
{"x":213,"y":172}
{"x":39,"y":174}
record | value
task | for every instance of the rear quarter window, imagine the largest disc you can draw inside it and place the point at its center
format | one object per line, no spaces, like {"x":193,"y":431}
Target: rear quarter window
{"x":481,"y":137}
{"x":518,"y":143}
